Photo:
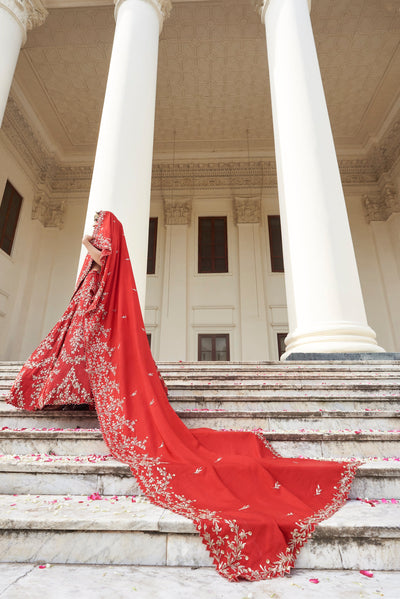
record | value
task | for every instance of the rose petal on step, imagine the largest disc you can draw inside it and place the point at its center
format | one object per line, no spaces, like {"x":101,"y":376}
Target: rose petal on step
{"x":367,"y":573}
{"x":314,"y":580}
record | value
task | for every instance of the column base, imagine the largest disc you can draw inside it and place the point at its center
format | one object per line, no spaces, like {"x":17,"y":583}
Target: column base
{"x":336,"y":338}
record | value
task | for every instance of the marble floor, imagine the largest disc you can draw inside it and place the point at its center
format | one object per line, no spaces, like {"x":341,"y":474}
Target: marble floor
{"x":31,"y":581}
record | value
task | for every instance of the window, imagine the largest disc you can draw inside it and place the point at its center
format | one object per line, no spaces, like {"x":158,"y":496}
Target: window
{"x":213,"y":245}
{"x":214,"y":348}
{"x":152,"y":247}
{"x":9,"y":213}
{"x":281,"y":343}
{"x":275,"y":243}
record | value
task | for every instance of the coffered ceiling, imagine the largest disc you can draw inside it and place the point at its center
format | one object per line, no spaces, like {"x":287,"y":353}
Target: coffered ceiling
{"x":212,"y":77}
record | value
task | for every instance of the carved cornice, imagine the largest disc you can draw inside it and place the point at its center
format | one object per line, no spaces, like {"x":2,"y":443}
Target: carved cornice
{"x":177,"y":212}
{"x":25,"y":140}
{"x":236,"y":176}
{"x":29,"y":13}
{"x":380,"y":205}
{"x":247,"y":210}
{"x":163,"y":8}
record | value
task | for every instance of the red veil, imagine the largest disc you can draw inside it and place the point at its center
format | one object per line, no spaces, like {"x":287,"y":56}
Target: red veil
{"x":253,"y":509}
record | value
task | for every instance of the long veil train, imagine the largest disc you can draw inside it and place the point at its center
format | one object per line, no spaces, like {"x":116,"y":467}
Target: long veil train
{"x":253,"y":508}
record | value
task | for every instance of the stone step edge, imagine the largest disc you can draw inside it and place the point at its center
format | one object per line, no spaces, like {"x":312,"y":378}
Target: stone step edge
{"x":44,"y":463}
{"x":11,"y":412}
{"x":179,"y":385}
{"x":120,"y":513}
{"x":306,"y":435}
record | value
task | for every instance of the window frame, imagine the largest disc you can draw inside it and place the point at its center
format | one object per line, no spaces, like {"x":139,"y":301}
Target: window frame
{"x":14,"y":193}
{"x":272,"y":231}
{"x":200,"y":269}
{"x":152,"y":258}
{"x":213,"y":337}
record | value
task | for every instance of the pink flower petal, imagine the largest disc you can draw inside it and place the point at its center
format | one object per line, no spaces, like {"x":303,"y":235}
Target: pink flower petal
{"x":314,"y":580}
{"x":367,"y":573}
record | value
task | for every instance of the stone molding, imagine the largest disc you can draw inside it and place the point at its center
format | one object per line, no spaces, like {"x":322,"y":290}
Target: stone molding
{"x":177,"y":212}
{"x":29,"y":13}
{"x":247,"y":210}
{"x":381,"y":205}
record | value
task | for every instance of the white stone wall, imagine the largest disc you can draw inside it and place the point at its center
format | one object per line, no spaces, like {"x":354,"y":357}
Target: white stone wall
{"x":37,"y":280}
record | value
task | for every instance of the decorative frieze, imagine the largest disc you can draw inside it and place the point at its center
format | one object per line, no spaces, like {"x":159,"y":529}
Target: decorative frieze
{"x":48,"y":211}
{"x":247,"y":210}
{"x":29,"y":13}
{"x":177,"y":212}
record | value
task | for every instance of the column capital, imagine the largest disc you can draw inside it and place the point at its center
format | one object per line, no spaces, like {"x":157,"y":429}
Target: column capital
{"x":163,"y":8}
{"x":262,"y":5}
{"x":381,"y":205}
{"x":29,"y":13}
{"x":247,"y":210}
{"x":177,"y":212}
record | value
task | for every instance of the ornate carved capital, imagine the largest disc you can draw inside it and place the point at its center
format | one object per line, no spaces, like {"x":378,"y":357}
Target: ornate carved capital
{"x":381,"y":205}
{"x":177,"y":212}
{"x":29,"y":13}
{"x":163,"y":8}
{"x":247,"y":210}
{"x":48,"y":211}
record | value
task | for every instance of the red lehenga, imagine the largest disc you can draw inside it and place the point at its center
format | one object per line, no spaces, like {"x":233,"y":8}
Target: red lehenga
{"x":253,"y":508}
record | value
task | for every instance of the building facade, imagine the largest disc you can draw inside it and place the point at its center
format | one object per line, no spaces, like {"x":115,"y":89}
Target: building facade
{"x":215,"y":132}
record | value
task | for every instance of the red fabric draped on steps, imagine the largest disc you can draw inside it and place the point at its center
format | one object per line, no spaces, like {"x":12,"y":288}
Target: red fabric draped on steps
{"x":253,"y":508}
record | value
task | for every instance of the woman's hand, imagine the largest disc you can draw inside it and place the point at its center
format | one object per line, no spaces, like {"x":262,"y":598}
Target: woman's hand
{"x":93,"y":252}
{"x":86,"y":239}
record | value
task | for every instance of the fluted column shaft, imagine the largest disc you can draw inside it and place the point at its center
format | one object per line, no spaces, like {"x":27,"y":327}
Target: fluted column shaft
{"x":325,"y":303}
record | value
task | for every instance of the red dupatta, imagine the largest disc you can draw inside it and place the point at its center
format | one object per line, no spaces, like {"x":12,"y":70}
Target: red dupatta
{"x":253,"y":509}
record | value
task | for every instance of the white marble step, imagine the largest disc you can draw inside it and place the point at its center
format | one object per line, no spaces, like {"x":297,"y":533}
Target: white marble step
{"x":59,"y":581}
{"x":348,"y":403}
{"x":308,"y":443}
{"x":171,"y":377}
{"x":242,"y":384}
{"x":75,"y":529}
{"x":383,"y":420}
{"x":79,"y":475}
{"x":303,"y":366}
{"x":259,"y":401}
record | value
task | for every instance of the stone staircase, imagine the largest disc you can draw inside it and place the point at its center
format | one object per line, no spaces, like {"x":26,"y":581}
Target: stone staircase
{"x":63,"y":499}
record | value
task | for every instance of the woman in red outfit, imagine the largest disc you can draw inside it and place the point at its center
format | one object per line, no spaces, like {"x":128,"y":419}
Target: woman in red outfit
{"x":253,"y":508}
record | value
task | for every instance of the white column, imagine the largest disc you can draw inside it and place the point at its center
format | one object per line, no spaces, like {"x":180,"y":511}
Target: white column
{"x":16,"y":18}
{"x":253,"y":323}
{"x":122,"y":170}
{"x":173,"y":333}
{"x":325,"y":303}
